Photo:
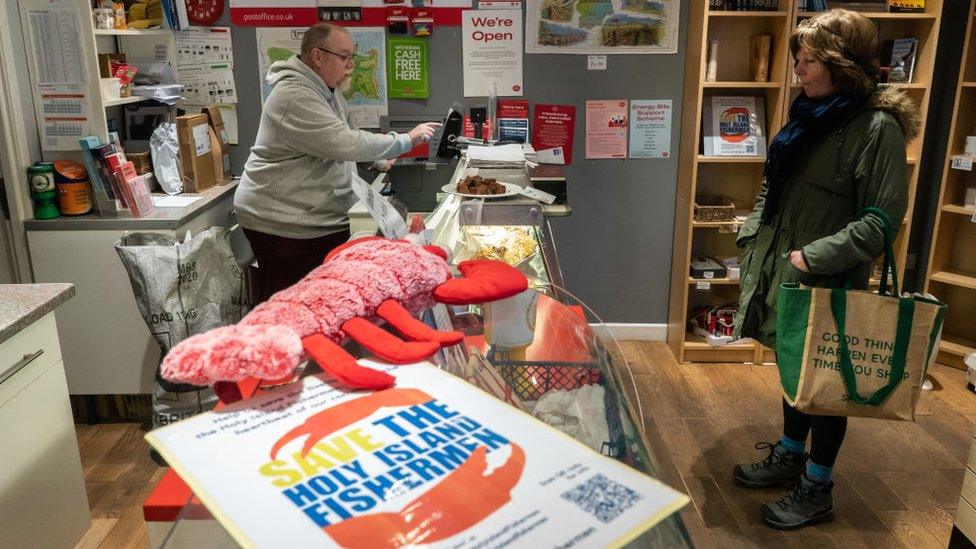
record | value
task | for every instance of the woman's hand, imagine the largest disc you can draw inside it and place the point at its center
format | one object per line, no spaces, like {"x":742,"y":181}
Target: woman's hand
{"x":796,"y":258}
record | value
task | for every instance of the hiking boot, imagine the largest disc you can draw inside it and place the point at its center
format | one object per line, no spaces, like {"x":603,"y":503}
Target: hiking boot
{"x":808,"y":503}
{"x":780,"y":468}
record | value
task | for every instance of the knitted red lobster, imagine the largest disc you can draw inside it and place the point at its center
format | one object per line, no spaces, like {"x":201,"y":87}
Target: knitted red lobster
{"x":361,"y":279}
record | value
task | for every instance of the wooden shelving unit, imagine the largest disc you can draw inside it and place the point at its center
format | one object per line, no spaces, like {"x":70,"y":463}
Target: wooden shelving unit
{"x":740,"y":177}
{"x":951,"y":273}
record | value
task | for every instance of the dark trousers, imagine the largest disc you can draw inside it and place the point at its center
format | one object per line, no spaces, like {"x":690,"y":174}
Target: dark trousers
{"x":284,"y":261}
{"x":826,"y":433}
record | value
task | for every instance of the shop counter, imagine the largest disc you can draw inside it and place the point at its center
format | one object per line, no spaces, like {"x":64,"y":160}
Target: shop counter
{"x":533,"y":353}
{"x":107,"y":348}
{"x":42,"y":489}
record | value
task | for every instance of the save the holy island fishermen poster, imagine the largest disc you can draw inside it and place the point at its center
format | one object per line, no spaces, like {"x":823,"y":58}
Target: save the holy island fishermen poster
{"x":432,"y":461}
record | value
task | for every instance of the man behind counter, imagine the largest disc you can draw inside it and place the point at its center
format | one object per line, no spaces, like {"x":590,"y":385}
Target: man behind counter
{"x":296,"y":189}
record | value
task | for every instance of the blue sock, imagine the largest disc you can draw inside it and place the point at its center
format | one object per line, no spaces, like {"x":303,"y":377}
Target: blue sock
{"x":818,"y":473}
{"x":795,"y":446}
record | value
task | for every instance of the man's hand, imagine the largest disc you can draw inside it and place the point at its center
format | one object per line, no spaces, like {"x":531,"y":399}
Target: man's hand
{"x":423,"y":132}
{"x":796,"y":258}
{"x":384,"y":165}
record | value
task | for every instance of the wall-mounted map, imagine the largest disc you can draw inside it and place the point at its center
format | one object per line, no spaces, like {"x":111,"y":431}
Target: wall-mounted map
{"x":366,"y":97}
{"x":601,"y":26}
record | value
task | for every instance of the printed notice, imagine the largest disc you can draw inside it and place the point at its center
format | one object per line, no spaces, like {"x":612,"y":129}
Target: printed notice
{"x":650,"y":128}
{"x":492,"y":46}
{"x":55,"y":46}
{"x":64,"y":115}
{"x":407,"y":68}
{"x":606,"y":129}
{"x":552,"y":127}
{"x":204,"y":46}
{"x":432,"y":461}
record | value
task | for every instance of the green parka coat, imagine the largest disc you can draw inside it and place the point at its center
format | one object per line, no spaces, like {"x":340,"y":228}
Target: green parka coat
{"x":861,"y":163}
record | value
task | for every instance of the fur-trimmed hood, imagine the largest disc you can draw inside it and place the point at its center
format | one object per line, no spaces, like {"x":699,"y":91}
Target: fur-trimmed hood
{"x":901,"y":107}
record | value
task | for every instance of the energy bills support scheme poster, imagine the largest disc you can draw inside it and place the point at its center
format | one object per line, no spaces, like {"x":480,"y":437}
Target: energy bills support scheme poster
{"x":606,"y":129}
{"x":407,"y":68}
{"x":601,"y":26}
{"x":366,"y":99}
{"x":492,"y":46}
{"x":650,"y":128}
{"x":432,"y":461}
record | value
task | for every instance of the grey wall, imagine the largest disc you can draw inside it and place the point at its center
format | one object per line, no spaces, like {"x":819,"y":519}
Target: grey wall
{"x":615,"y":249}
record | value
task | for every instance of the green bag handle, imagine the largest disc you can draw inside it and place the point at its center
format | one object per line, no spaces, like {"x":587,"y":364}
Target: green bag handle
{"x":906,"y":313}
{"x":903,"y":332}
{"x":888,"y":264}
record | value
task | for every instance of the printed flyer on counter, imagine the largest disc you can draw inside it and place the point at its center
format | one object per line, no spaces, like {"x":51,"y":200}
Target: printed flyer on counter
{"x":432,"y":460}
{"x":606,"y":129}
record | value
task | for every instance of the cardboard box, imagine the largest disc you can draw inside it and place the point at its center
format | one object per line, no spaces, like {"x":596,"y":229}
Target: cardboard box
{"x":142,"y":161}
{"x":198,"y":157}
{"x":223,"y":142}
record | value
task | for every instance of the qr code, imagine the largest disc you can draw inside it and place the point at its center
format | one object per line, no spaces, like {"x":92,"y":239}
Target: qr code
{"x":602,"y":498}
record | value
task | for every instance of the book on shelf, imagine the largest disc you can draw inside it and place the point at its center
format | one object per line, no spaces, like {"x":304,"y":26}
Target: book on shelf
{"x":872,"y":6}
{"x":902,"y":60}
{"x":711,"y":66}
{"x":743,"y":5}
{"x":734,"y":126}
{"x":759,"y":47}
{"x":906,"y":6}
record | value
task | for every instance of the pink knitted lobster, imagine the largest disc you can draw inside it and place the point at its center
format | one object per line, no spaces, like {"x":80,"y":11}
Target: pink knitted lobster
{"x":371,"y":277}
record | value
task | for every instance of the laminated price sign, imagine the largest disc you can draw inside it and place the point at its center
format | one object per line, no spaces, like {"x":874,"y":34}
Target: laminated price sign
{"x":432,"y":461}
{"x":406,"y":68}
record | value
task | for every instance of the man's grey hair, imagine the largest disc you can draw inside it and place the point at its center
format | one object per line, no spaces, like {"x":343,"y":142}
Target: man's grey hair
{"x":316,"y":35}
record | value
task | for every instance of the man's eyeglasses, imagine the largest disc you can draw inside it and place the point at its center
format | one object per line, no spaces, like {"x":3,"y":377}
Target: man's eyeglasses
{"x":345,"y":58}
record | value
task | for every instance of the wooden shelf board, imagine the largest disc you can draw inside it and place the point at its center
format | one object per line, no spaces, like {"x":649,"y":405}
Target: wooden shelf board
{"x":124,"y":101}
{"x":132,"y":32}
{"x":744,"y":84}
{"x":881,"y":15}
{"x":717,"y":281}
{"x":729,"y":13}
{"x":694,"y":342}
{"x":715,"y":224}
{"x":957,"y":209}
{"x":912,"y":160}
{"x":906,"y":85}
{"x":956,"y":345}
{"x":969,"y":84}
{"x":955,"y":278}
{"x":730,"y":159}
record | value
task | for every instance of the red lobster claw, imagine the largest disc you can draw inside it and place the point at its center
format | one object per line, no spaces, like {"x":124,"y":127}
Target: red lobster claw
{"x":483,"y":280}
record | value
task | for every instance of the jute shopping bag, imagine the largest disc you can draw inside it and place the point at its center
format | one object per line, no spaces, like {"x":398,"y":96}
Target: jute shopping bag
{"x":848,"y":352}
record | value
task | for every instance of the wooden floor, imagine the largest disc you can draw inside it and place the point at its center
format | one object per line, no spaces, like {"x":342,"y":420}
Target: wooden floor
{"x":897,"y":484}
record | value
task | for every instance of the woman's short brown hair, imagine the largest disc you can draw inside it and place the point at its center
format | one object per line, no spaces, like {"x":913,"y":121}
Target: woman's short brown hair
{"x":847,"y":42}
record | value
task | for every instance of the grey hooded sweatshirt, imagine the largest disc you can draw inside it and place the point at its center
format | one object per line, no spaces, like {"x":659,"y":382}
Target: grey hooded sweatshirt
{"x":297,"y":180}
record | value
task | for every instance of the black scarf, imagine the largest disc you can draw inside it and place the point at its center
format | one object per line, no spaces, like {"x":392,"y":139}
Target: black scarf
{"x":810,"y":119}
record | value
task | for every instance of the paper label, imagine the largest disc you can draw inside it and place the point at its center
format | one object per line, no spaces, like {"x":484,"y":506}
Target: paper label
{"x":596,"y":62}
{"x":201,"y":139}
{"x":962,"y":162}
{"x":703,"y":286}
{"x":536,"y":194}
{"x":379,"y":207}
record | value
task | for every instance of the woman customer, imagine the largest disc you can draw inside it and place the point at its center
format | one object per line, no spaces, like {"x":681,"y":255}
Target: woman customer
{"x":842,"y":150}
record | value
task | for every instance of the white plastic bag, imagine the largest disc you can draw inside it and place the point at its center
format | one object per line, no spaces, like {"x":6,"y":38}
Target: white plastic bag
{"x":165,"y":148}
{"x":580,"y":413}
